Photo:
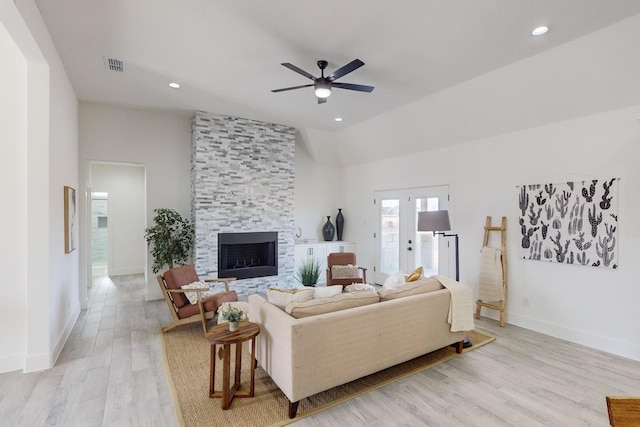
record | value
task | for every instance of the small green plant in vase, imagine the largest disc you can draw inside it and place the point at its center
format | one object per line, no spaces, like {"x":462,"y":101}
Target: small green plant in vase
{"x":233,"y":315}
{"x":308,"y":272}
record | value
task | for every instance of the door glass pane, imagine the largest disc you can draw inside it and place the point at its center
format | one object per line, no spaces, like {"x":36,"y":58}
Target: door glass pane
{"x":390,"y":236}
{"x":426,"y":248}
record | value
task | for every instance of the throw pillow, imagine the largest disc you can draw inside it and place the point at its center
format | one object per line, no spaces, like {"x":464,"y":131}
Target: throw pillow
{"x":393,"y":281}
{"x":281,"y":297}
{"x":344,"y":271}
{"x":193,"y":296}
{"x":415,"y":275}
{"x":326,"y":291}
{"x":359,"y":287}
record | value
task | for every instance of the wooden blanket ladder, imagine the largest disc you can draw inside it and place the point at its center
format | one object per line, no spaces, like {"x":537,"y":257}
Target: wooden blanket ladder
{"x":503,"y":251}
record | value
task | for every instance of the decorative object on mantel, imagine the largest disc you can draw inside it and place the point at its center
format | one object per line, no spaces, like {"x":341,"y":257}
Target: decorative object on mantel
{"x":328,"y":230}
{"x":339,"y":224}
{"x":570,"y":223}
{"x":171,"y":237}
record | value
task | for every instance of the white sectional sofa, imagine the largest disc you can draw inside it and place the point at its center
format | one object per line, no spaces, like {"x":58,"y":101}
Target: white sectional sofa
{"x":308,"y":355}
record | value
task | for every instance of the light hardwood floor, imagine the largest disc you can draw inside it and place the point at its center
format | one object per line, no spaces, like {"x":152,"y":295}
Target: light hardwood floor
{"x":111,"y":373}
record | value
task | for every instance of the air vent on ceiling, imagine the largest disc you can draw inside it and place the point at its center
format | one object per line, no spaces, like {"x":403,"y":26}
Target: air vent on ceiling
{"x":113,"y":64}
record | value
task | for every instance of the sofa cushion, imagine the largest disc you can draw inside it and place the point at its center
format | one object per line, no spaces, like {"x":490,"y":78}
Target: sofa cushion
{"x":326,"y":291}
{"x":338,"y":302}
{"x":422,"y":286}
{"x":344,"y":271}
{"x":415,"y":274}
{"x":281,"y":297}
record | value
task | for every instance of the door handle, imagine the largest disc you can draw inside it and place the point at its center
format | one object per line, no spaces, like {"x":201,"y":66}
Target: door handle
{"x":409,"y":248}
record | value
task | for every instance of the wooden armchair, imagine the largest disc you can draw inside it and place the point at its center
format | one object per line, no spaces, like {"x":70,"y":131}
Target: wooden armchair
{"x":343,"y":259}
{"x":624,"y":411}
{"x":182,"y":310}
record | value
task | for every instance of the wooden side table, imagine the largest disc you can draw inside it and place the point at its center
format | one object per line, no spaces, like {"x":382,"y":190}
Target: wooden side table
{"x":221,"y":335}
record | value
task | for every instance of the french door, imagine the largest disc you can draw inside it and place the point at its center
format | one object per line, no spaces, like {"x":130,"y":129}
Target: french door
{"x":399,"y":246}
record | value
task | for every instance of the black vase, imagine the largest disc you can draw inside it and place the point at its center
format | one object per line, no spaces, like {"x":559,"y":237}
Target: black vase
{"x":328,"y":230}
{"x":339,"y":224}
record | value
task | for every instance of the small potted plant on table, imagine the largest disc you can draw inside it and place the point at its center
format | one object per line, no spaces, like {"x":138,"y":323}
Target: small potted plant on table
{"x":233,"y":315}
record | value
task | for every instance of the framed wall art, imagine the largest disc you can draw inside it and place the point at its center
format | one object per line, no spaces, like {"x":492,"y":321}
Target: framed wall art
{"x":570,"y":223}
{"x":69,"y":219}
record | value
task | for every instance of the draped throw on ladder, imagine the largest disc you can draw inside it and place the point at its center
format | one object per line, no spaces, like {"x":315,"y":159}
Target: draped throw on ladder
{"x":490,"y":280}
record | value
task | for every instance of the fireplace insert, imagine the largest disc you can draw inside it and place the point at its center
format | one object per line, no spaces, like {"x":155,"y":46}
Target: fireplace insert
{"x":247,"y":255}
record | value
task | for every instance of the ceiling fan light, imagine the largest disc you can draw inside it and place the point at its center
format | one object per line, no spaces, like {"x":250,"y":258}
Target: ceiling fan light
{"x":322,"y":90}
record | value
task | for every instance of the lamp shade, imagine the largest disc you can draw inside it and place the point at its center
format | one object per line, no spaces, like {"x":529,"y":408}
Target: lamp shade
{"x":433,"y":221}
{"x":322,"y":89}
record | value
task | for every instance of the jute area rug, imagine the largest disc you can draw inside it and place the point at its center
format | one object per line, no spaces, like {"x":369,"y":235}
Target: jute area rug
{"x":186,"y":357}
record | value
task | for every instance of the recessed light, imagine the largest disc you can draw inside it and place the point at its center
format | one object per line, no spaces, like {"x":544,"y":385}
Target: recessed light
{"x":538,"y":31}
{"x":174,"y":85}
{"x":338,"y":119}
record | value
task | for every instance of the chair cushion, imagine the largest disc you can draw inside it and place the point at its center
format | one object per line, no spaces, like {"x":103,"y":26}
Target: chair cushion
{"x":177,"y":277}
{"x":210,"y":303}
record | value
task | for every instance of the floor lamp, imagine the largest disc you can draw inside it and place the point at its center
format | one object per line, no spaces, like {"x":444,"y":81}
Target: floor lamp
{"x":438,"y":222}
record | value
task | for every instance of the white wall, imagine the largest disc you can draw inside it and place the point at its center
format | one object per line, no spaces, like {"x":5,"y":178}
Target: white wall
{"x":160,"y":141}
{"x":591,"y":306}
{"x":126,"y":216}
{"x":44,"y":145}
{"x":13,"y":210}
{"x":318,"y":193}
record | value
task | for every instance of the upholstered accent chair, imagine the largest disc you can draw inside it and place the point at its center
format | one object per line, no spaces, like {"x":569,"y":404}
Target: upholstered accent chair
{"x":343,"y":270}
{"x":182,"y":310}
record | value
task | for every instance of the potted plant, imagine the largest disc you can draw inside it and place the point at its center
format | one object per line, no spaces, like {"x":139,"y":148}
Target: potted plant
{"x":308,"y":272}
{"x":233,"y":315}
{"x":171,"y":238}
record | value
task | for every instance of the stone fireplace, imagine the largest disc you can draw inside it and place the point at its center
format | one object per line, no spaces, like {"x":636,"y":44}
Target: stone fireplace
{"x":243,"y":176}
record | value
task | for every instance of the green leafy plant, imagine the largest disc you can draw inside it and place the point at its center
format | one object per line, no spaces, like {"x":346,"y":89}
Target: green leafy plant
{"x":232,"y":314}
{"x":308,"y":272}
{"x":170,"y":238}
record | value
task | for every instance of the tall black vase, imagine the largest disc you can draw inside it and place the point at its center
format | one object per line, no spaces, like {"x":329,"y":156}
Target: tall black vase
{"x":339,"y":224}
{"x":328,"y":230}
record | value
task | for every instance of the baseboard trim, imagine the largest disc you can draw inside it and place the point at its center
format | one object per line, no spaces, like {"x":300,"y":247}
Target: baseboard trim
{"x":586,"y":338}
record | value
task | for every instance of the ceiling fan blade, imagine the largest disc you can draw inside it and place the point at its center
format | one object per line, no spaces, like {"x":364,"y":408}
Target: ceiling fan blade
{"x":322,"y":100}
{"x":291,"y":88}
{"x":299,"y":71}
{"x":351,"y":66}
{"x":351,"y":86}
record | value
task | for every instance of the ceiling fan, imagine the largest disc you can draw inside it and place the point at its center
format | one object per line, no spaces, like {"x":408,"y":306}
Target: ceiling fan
{"x":324,"y":84}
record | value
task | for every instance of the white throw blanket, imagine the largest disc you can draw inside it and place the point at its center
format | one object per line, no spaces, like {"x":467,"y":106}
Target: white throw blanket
{"x":461,"y":306}
{"x":490,"y":286}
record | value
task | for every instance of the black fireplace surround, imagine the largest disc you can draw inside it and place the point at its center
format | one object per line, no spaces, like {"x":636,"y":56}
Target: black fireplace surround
{"x":247,"y":255}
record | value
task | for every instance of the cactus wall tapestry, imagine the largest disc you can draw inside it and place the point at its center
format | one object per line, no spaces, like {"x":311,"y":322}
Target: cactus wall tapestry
{"x":570,"y":223}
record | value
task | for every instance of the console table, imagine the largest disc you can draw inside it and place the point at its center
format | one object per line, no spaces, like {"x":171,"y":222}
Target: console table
{"x":221,"y":335}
